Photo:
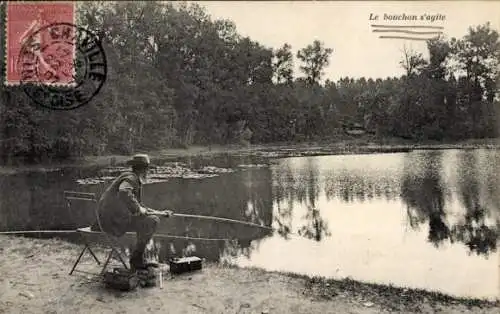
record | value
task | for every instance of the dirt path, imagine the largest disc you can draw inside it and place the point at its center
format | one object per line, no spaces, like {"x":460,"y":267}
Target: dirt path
{"x":35,"y":280}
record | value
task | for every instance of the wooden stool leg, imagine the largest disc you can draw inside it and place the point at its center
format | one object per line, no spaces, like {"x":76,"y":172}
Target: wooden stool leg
{"x":95,"y":257}
{"x":107,"y":262}
{"x":78,"y":260}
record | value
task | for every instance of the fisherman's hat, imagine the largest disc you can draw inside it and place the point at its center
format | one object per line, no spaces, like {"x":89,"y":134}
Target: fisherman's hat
{"x":141,"y":160}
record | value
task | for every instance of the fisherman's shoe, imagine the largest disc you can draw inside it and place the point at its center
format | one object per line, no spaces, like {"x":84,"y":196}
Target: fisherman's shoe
{"x":147,"y":277}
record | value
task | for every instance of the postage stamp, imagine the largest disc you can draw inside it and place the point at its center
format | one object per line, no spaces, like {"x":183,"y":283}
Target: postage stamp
{"x":58,"y":64}
{"x":24,"y":20}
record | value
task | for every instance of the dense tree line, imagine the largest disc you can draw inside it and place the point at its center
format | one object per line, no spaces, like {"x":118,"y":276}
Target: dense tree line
{"x":178,"y":78}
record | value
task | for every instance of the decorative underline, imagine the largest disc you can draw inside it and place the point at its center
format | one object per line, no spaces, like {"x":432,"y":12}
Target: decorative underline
{"x":404,"y":31}
{"x":406,"y":37}
{"x":408,"y":26}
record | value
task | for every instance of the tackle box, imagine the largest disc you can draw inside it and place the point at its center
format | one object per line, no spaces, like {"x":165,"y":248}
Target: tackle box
{"x":184,"y":264}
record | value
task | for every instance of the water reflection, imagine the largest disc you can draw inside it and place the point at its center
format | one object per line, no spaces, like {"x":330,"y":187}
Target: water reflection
{"x":352,"y":182}
{"x":420,"y":180}
{"x":244,"y":195}
{"x":423,"y":193}
{"x":34,"y":201}
{"x":316,"y":227}
{"x":411,"y":219}
{"x":302,"y":187}
{"x":476,"y":228}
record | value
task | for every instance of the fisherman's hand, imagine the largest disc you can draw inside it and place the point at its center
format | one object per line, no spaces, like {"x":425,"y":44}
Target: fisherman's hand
{"x":150,"y":211}
{"x":164,"y":213}
{"x":143,"y":210}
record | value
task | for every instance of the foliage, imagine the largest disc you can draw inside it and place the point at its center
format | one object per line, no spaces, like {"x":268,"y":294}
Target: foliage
{"x":177,"y":78}
{"x":315,"y":58}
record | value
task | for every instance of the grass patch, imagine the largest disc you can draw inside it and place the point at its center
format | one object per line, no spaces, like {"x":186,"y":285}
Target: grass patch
{"x":390,"y":297}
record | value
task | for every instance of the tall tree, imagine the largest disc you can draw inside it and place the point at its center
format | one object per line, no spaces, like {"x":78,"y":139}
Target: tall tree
{"x":477,"y":58}
{"x":412,"y":62}
{"x":283,"y":64}
{"x":315,"y":57}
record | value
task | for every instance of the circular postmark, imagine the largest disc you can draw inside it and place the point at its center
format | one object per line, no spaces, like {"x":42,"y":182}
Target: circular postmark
{"x":62,"y":66}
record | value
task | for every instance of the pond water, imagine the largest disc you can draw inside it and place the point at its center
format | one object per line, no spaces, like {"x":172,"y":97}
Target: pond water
{"x":424,"y":219}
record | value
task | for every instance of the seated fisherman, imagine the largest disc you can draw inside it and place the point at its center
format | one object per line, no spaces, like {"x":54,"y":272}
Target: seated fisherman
{"x":120,"y":209}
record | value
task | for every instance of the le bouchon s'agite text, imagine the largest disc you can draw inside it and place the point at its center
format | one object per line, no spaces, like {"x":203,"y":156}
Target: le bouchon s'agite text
{"x":408,"y":17}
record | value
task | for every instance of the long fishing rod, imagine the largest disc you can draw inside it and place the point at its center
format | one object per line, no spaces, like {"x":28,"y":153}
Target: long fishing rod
{"x":215,"y":218}
{"x":163,"y":213}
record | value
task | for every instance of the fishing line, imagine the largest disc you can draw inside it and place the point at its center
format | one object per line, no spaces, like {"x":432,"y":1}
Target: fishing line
{"x":37,"y":231}
{"x":158,"y":235}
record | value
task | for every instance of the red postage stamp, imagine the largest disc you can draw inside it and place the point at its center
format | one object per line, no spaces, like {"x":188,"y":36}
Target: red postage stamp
{"x":28,"y":31}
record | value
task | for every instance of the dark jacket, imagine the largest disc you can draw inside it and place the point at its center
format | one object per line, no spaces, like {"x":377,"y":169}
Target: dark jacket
{"x":117,"y":206}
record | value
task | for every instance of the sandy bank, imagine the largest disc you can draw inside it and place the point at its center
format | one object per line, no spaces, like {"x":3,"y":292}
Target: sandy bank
{"x":35,"y":280}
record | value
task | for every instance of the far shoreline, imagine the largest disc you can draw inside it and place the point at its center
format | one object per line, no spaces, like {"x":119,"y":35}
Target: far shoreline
{"x":269,"y":151}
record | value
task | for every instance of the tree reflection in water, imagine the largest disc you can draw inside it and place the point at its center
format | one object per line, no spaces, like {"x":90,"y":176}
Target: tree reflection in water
{"x":425,"y":185}
{"x":222,"y":250}
{"x":302,"y":187}
{"x":284,"y":192}
{"x":237,"y":248}
{"x":360,"y":186}
{"x":244,"y":195}
{"x":472,"y":229}
{"x":316,"y":227}
{"x":422,"y":191}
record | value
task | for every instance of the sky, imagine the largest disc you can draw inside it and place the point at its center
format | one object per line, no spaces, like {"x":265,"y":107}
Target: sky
{"x":346,"y":28}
